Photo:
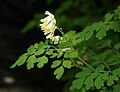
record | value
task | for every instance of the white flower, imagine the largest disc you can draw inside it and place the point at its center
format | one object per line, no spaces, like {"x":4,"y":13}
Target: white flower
{"x":50,"y":36}
{"x":49,"y":26}
{"x":48,"y":23}
{"x":56,"y":39}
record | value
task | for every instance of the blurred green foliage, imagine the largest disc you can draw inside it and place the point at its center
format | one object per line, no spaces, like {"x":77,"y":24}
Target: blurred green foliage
{"x":73,"y":14}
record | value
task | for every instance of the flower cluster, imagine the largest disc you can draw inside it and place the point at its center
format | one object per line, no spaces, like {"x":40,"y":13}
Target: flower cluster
{"x":49,"y":26}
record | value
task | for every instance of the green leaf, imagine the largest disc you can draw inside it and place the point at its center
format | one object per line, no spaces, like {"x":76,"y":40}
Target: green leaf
{"x":101,"y":34}
{"x":94,"y":75}
{"x":59,"y":72}
{"x":67,"y":63}
{"x":116,"y":72}
{"x":49,"y":52}
{"x":54,"y":55}
{"x":59,"y":55}
{"x":30,"y":62}
{"x":117,"y":46}
{"x":89,"y":34}
{"x":104,"y":76}
{"x":56,"y":63}
{"x":98,"y":82}
{"x":116,"y":88}
{"x":110,"y":81}
{"x":77,"y":84}
{"x":115,"y":25}
{"x":114,"y":77}
{"x":83,"y":73}
{"x":42,"y":60}
{"x":71,"y":55}
{"x":21,"y":60}
{"x":101,"y":29}
{"x":36,"y":46}
{"x":31,"y":50}
{"x":89,"y":82}
{"x":117,"y":11}
{"x":41,"y":45}
{"x":39,"y":52}
{"x":108,"y":16}
{"x":100,"y":68}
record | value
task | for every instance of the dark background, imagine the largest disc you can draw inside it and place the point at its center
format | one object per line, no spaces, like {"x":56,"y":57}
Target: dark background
{"x":14,"y":15}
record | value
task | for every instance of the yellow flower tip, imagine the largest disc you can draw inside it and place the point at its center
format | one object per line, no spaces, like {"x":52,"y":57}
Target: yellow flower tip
{"x":51,"y":37}
{"x":46,"y":30}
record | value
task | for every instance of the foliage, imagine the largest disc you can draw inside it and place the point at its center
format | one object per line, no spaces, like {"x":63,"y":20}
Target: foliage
{"x":95,"y":51}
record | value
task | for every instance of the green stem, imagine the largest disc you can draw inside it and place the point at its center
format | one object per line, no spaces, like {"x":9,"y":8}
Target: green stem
{"x":60,"y":31}
{"x":115,"y":52}
{"x":106,"y":66}
{"x":87,"y":64}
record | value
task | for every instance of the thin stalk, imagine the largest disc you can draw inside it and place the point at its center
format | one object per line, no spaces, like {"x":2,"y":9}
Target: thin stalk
{"x":115,"y":52}
{"x":86,"y":64}
{"x":106,"y":66}
{"x":60,"y":31}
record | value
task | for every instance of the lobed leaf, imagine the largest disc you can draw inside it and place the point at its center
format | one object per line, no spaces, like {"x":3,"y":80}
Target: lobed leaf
{"x":83,"y":73}
{"x":89,"y":82}
{"x":98,"y":82}
{"x":116,"y":72}
{"x":71,"y":55}
{"x":21,"y":60}
{"x":39,"y":52}
{"x":59,"y":72}
{"x":117,"y":46}
{"x":56,"y":63}
{"x":49,"y":52}
{"x":41,"y":61}
{"x":110,"y":81}
{"x":67,"y":63}
{"x":30,"y":62}
{"x":54,"y":55}
{"x":31,"y":50}
{"x":77,"y":84}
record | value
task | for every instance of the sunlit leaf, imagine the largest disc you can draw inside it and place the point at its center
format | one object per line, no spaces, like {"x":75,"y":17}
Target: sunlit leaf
{"x":30,"y":62}
{"x":41,"y":61}
{"x":56,"y":63}
{"x":59,"y":72}
{"x":67,"y":63}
